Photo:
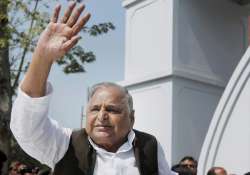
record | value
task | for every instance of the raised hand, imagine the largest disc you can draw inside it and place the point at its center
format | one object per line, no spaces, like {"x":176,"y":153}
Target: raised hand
{"x":57,"y":39}
{"x":61,"y":35}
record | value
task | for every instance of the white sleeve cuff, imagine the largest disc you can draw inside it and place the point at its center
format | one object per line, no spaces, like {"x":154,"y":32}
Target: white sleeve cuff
{"x":36,"y":100}
{"x":163,"y":166}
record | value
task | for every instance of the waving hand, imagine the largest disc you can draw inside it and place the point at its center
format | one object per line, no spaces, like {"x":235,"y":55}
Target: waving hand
{"x":55,"y":41}
{"x":61,"y":35}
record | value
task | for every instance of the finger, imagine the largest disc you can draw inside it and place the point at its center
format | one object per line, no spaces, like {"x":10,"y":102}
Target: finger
{"x":68,"y":12}
{"x":55,"y":15}
{"x":74,"y":17}
{"x":80,"y":23}
{"x":70,"y":43}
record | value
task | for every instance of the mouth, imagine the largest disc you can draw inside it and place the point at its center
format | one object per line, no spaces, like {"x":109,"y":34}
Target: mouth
{"x":103,"y":127}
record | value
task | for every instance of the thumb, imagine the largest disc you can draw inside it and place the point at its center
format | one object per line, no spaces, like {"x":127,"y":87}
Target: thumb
{"x":70,"y":43}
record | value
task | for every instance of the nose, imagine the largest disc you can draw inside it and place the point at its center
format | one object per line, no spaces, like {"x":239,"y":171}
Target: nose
{"x":102,"y":115}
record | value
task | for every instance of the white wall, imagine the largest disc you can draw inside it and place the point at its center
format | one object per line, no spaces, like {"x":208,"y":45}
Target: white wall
{"x":227,"y":142}
{"x":193,"y":107}
{"x":148,"y":38}
{"x":153,"y":110}
{"x":179,"y":57}
{"x":210,"y":36}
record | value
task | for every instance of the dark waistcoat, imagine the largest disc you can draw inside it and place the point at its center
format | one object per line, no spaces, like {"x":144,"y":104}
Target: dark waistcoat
{"x":80,"y":157}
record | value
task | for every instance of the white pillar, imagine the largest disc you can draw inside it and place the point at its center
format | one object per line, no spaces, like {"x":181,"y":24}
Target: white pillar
{"x":179,"y":57}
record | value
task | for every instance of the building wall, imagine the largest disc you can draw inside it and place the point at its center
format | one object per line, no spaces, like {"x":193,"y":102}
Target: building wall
{"x":210,"y":36}
{"x":153,"y":110}
{"x":148,"y":38}
{"x":208,"y":42}
{"x":193,"y":107}
{"x":227,"y":142}
{"x":179,"y":57}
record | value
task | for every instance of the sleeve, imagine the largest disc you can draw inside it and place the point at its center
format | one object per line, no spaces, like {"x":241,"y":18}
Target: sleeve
{"x":38,"y":135}
{"x":163,"y":166}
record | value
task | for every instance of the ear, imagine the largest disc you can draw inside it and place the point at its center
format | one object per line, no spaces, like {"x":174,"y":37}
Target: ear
{"x":132,"y":117}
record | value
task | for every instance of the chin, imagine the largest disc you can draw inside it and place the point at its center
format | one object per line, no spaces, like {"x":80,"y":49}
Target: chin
{"x":103,"y":142}
{"x":101,"y":137}
{"x":102,"y":133}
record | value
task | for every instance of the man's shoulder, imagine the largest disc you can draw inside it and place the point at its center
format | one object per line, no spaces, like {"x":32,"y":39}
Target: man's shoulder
{"x":143,"y":138}
{"x":146,"y":148}
{"x":144,"y":134}
{"x":78,"y":134}
{"x":79,"y":131}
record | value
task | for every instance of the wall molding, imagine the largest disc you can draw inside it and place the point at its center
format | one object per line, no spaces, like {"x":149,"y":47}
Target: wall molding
{"x":129,"y":3}
{"x":223,"y":113}
{"x":177,"y":73}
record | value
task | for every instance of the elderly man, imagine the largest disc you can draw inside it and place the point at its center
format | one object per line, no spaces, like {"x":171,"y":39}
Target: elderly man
{"x":217,"y":171}
{"x":108,"y":144}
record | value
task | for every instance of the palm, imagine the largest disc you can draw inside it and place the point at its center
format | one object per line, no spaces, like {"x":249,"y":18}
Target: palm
{"x":53,"y":38}
{"x":59,"y":37}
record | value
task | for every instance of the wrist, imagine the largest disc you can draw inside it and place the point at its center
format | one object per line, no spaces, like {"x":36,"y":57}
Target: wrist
{"x":40,"y":55}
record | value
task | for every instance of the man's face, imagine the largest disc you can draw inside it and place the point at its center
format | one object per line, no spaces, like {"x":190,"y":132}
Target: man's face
{"x":189,"y":164}
{"x":13,"y":171}
{"x":220,"y":171}
{"x":108,"y":118}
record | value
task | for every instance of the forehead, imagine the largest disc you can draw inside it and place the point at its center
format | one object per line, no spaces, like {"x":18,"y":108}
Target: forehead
{"x":187,"y":161}
{"x":220,"y":171}
{"x":108,"y":94}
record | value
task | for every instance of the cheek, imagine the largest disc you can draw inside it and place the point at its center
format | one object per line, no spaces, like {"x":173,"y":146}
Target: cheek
{"x":121,"y":122}
{"x":90,"y":120}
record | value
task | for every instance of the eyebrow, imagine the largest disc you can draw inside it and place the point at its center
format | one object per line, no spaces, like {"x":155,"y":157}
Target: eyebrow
{"x":112,"y":106}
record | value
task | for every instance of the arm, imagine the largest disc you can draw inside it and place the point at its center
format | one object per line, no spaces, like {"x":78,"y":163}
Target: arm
{"x":39,"y":136}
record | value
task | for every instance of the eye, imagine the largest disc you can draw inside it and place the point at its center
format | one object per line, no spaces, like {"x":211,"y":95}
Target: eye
{"x":113,"y":110}
{"x":95,"y":109}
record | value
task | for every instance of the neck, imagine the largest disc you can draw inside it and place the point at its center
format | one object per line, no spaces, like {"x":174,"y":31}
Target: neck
{"x":111,"y":147}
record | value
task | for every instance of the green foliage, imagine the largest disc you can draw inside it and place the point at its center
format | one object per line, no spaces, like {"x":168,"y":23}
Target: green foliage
{"x":73,"y":65}
{"x":99,"y":29}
